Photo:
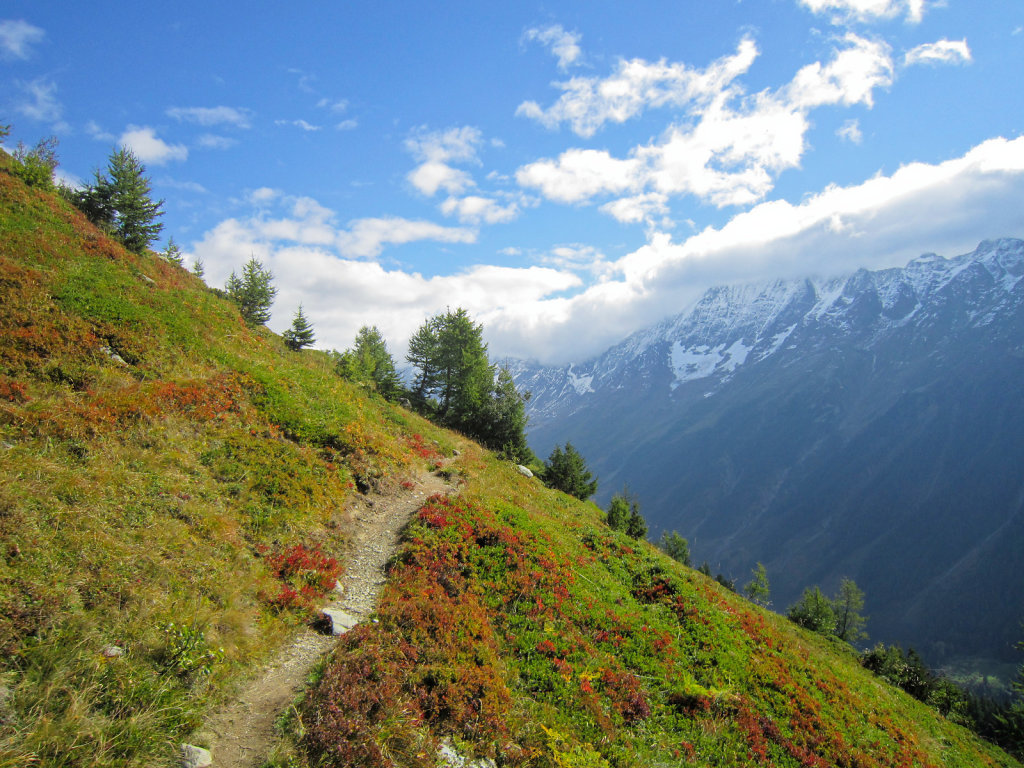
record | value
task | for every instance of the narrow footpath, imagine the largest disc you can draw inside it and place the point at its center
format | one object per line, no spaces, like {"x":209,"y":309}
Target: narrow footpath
{"x":242,"y":734}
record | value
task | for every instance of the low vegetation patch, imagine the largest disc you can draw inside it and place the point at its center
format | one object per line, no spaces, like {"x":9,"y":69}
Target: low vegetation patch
{"x":539,"y":638}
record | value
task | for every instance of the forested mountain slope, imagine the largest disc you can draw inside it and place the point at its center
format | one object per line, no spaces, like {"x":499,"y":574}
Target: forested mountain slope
{"x":869,"y":426}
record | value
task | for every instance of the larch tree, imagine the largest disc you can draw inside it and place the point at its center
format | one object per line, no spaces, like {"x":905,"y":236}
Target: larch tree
{"x":675,"y":546}
{"x":758,"y":589}
{"x":369,"y":362}
{"x":847,"y":606}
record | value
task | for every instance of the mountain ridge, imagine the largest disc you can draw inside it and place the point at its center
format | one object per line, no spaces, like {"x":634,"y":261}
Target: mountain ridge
{"x":871,"y":395}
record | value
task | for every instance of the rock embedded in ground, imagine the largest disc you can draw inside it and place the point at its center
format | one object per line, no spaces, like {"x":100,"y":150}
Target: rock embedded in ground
{"x":340,"y":621}
{"x":195,"y":757}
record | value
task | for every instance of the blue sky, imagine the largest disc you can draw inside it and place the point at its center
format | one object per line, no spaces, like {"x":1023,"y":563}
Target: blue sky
{"x":568,"y":172}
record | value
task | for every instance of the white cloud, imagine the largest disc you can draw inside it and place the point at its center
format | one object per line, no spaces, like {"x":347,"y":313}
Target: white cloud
{"x":429,"y":177}
{"x":150,"y":148}
{"x":587,"y":103}
{"x":638,"y":209}
{"x":42,"y":101}
{"x":939,"y":52}
{"x":335,"y":105}
{"x":867,"y":10}
{"x":341,"y":294}
{"x":730,"y":149}
{"x":262,"y":196}
{"x":347,"y":125}
{"x":211,"y":141}
{"x":17,"y":37}
{"x":299,"y":124}
{"x":366,"y":238}
{"x":850,"y":131}
{"x":885,"y":221}
{"x":239,"y":117}
{"x":436,"y":151}
{"x":580,"y":174}
{"x":476,"y":210}
{"x":564,"y":45}
{"x":850,"y":78}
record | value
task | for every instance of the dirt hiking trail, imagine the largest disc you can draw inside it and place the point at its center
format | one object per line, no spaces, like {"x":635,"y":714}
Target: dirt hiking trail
{"x":242,"y":734}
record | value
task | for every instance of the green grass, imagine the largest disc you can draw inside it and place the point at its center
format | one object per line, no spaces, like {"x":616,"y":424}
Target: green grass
{"x":518,"y":625}
{"x":175,"y":505}
{"x":136,"y":496}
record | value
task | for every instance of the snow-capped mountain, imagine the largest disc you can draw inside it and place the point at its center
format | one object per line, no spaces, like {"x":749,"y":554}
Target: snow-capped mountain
{"x":869,"y":425}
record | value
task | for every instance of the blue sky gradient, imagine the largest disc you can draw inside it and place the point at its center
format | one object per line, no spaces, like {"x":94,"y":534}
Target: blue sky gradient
{"x":568,"y":173}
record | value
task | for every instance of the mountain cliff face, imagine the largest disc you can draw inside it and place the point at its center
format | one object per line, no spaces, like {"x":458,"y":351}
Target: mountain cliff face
{"x":869,"y":426}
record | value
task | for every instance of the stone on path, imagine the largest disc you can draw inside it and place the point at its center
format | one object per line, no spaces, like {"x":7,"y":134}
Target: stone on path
{"x":195,"y":757}
{"x":340,"y":621}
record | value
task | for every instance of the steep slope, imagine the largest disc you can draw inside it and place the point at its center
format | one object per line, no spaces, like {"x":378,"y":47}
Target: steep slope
{"x":173,"y":486}
{"x":173,"y":483}
{"x":868,"y":426}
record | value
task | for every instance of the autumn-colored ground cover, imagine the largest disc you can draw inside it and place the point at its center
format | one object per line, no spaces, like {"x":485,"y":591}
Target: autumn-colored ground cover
{"x":171,"y":490}
{"x":171,"y":483}
{"x":517,"y":626}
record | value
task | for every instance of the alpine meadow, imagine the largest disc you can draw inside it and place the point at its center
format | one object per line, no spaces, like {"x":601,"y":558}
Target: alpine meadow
{"x":523,"y":385}
{"x":176,"y":492}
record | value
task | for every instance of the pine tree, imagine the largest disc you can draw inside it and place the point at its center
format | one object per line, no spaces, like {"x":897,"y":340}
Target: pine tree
{"x":36,"y":166}
{"x":502,"y":424}
{"x":758,"y":589}
{"x":173,"y":253}
{"x":636,"y":526}
{"x":617,"y":516}
{"x":253,"y":292}
{"x":369,"y":362}
{"x":135,"y":221}
{"x":675,"y":546}
{"x":300,"y":334}
{"x":813,"y":611}
{"x":121,"y":203}
{"x":198,"y":268}
{"x":566,"y":471}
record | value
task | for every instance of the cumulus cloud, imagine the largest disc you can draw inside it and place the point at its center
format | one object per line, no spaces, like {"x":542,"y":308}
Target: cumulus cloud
{"x":587,"y":103}
{"x":550,"y":313}
{"x":476,"y":210}
{"x":867,"y":10}
{"x":315,"y":263}
{"x":17,"y":38}
{"x":367,"y":237}
{"x":149,"y":147}
{"x":939,"y":52}
{"x":436,"y":151}
{"x":239,"y":117}
{"x":565,"y":46}
{"x":41,"y":100}
{"x":728,"y":150}
{"x":580,"y":174}
{"x":886,"y":221}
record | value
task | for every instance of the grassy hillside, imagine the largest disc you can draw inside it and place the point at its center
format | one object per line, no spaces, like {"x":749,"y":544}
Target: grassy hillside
{"x":158,"y":460}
